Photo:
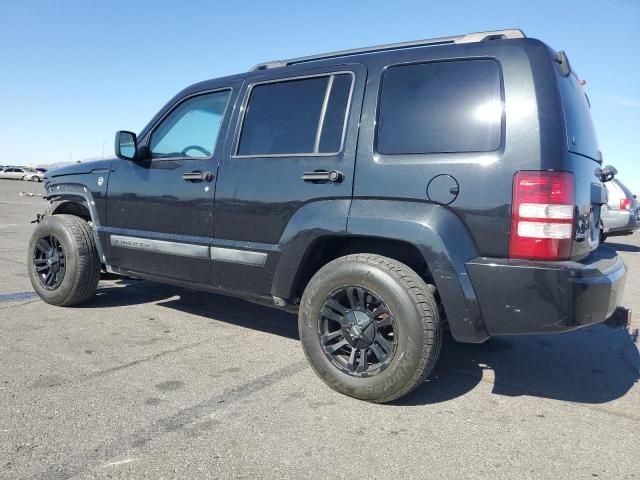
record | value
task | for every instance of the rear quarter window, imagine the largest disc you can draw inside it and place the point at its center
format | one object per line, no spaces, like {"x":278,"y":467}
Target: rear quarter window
{"x":440,"y":107}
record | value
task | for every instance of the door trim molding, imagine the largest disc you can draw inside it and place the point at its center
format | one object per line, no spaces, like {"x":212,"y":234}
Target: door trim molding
{"x":160,"y":246}
{"x":244,"y":257}
{"x":222,"y":252}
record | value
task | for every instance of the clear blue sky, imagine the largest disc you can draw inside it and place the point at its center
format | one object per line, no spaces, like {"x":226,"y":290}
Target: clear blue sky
{"x":73,"y":72}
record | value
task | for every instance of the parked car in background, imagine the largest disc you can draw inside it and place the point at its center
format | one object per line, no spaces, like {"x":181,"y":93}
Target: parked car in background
{"x":13,"y":173}
{"x":21,"y":173}
{"x":33,"y":175}
{"x":41,"y":170}
{"x":620,"y":215}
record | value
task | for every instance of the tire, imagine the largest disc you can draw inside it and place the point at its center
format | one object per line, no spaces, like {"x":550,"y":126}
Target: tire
{"x":417,"y":334}
{"x":81,"y":262}
{"x":35,"y":179}
{"x":602,"y":236}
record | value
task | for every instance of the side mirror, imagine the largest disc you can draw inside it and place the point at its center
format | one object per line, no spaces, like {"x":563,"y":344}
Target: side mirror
{"x":126,"y":145}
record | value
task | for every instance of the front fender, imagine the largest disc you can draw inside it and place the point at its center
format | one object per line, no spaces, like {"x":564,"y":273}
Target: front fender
{"x":445,"y":245}
{"x":88,"y":189}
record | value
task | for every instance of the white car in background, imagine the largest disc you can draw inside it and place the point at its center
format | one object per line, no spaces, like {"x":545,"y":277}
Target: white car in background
{"x":21,"y":173}
{"x":620,"y":215}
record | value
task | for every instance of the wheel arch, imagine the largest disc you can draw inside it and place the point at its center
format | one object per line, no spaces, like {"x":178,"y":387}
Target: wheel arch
{"x":429,"y":238}
{"x":324,"y":249}
{"x":71,"y":206}
{"x":75,"y":199}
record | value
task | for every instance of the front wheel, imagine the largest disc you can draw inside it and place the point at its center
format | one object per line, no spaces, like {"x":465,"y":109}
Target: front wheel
{"x":35,"y":179}
{"x":370,"y":327}
{"x":64,"y":266}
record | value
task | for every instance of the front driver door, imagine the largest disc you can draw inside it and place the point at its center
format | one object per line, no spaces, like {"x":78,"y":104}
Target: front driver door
{"x":160,"y":209}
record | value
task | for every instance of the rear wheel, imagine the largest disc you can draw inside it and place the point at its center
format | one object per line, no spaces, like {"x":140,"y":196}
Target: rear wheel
{"x":63,"y":261}
{"x":370,"y":327}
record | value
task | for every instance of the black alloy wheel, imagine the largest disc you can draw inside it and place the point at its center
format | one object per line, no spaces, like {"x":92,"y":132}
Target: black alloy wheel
{"x":357,"y":331}
{"x":370,"y":327}
{"x":63,"y":260}
{"x":49,"y":262}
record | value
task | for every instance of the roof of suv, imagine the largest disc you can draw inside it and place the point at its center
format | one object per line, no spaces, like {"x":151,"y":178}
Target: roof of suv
{"x":301,"y":63}
{"x":457,"y":39}
{"x":441,"y":41}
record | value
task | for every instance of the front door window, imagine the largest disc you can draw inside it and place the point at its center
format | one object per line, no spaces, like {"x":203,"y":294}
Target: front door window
{"x":191,"y":129}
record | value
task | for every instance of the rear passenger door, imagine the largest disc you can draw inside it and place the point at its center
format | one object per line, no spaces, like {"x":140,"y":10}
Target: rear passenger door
{"x":290,"y":160}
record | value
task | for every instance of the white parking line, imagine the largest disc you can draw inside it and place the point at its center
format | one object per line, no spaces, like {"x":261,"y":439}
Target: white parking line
{"x":121,"y":462}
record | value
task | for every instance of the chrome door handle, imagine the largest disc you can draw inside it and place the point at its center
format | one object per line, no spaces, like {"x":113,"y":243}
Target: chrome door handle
{"x":197,"y":176}
{"x":321,"y":176}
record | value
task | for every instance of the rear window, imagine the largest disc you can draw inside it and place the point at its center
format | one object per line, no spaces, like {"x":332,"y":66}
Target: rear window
{"x":440,"y":107}
{"x":296,"y":117}
{"x":581,"y":134}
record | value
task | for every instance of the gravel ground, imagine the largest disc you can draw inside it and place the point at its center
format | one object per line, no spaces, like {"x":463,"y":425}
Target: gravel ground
{"x":150,"y":381}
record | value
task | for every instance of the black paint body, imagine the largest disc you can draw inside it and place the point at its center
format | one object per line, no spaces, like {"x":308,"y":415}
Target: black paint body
{"x":261,"y":204}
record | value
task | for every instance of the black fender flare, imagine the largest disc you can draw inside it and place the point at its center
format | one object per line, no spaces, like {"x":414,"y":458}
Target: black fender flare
{"x":445,"y":244}
{"x":310,"y":223}
{"x":441,"y":237}
{"x":62,"y":193}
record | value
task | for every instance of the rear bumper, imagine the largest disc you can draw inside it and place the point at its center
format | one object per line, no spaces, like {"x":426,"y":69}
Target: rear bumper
{"x":523,"y":296}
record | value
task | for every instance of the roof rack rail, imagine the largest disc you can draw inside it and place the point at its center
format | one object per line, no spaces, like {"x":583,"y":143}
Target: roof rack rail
{"x":466,"y":38}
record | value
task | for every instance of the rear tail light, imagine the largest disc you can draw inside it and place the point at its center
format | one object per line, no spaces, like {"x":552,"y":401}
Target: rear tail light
{"x":542,"y":215}
{"x":625,"y":203}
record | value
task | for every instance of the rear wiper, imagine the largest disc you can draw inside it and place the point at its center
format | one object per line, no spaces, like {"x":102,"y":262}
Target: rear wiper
{"x":562,"y":63}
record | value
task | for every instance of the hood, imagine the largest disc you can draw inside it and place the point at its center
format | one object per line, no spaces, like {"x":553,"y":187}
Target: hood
{"x":79,"y":168}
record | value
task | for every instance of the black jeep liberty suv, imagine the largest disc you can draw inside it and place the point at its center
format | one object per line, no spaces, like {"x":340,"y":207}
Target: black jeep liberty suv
{"x":384,"y":193}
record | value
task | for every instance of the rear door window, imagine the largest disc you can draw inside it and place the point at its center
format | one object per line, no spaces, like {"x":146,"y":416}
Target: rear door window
{"x":296,"y":117}
{"x":440,"y":107}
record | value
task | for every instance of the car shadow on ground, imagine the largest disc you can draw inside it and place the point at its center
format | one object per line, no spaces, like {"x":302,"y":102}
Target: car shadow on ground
{"x":128,"y":291}
{"x":591,"y":365}
{"x":624,"y":247}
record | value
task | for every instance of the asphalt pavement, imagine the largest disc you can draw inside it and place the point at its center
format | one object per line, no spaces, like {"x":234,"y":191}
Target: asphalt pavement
{"x":151,"y":381}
